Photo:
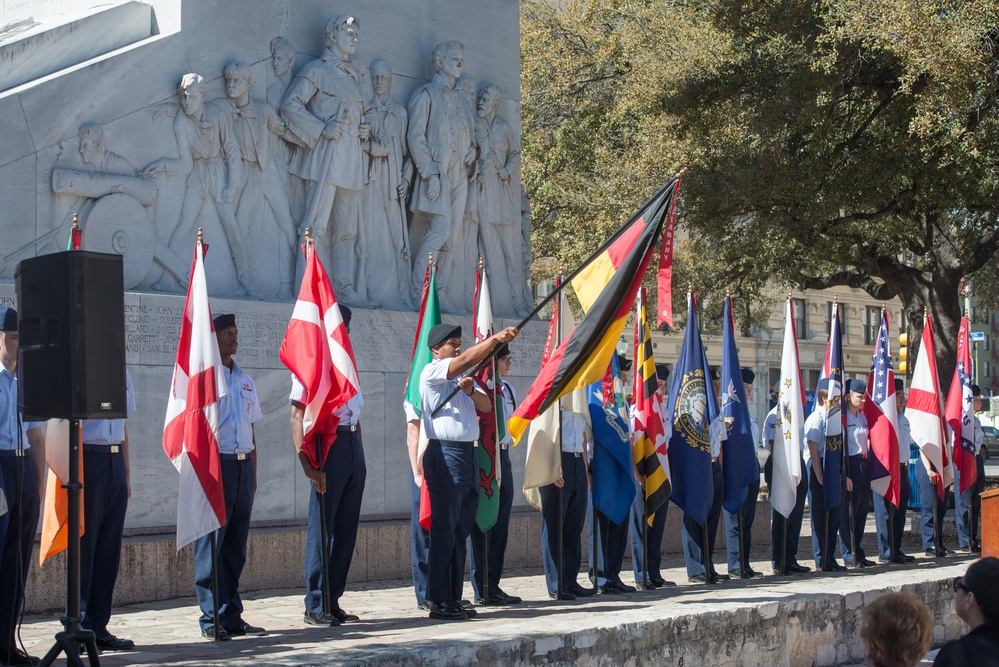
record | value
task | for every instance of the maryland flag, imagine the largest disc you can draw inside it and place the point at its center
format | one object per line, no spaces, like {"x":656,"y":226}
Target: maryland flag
{"x":606,"y":286}
{"x":650,"y":446}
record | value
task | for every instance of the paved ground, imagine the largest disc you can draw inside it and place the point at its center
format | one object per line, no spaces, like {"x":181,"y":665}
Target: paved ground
{"x":166,"y":633}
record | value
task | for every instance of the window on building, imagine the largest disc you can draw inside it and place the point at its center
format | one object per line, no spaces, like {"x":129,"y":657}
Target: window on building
{"x":799,"y":317}
{"x":985,"y":369}
{"x":872,"y":322}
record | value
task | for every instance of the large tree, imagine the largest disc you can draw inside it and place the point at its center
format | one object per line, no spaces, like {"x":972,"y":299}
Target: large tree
{"x":827,"y":142}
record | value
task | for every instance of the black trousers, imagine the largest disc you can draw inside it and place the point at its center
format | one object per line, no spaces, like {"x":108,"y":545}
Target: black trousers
{"x":498,"y":536}
{"x":859,"y":501}
{"x":793,"y":522}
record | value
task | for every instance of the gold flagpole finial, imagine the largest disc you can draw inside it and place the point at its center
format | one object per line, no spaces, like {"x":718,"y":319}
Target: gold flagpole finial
{"x":728,"y":293}
{"x":201,"y":235}
{"x":308,"y":234}
{"x":690,"y":287}
{"x":482,"y":265}
{"x":926,"y":311}
{"x":835,"y":298}
{"x":883,"y":306}
{"x":683,"y":170}
{"x":430,"y":258}
{"x":76,"y":221}
{"x":789,"y":295}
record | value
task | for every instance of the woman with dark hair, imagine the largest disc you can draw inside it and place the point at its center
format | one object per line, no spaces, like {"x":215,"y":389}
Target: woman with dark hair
{"x":976,"y":601}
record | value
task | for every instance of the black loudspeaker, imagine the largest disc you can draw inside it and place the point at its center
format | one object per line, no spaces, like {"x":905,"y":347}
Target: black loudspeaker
{"x":71,"y":320}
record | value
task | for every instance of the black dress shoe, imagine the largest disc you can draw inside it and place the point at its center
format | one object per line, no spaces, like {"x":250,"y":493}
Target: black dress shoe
{"x":866,"y":562}
{"x":467,"y":611}
{"x":112,"y":643}
{"x":782,"y":571}
{"x":622,"y":587}
{"x":566,"y":595}
{"x":17,"y":657}
{"x":720,"y":577}
{"x":506,"y":598}
{"x":607,"y":589}
{"x":244,"y":628}
{"x":581,"y":592}
{"x":344,"y":617}
{"x":659,"y":582}
{"x":317,"y":618}
{"x":798,"y":569}
{"x":446,"y":611}
{"x":697,"y":579}
{"x":209,"y":634}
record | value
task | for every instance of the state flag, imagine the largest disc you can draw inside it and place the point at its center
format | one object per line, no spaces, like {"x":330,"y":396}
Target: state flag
{"x":924,"y":408}
{"x":881,"y":411}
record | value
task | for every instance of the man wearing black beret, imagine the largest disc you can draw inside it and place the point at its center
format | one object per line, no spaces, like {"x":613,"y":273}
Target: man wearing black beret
{"x":449,"y":467}
{"x":858,"y":480}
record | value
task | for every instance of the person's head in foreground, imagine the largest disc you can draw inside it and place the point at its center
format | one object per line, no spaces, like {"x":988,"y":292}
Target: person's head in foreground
{"x":897,"y":629}
{"x":976,"y":594}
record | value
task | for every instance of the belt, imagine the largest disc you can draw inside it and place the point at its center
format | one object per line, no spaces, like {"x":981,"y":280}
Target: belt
{"x":578,"y":455}
{"x":13,"y":452}
{"x":858,"y":456}
{"x":504,"y":447}
{"x":245,"y":456}
{"x":714,"y":459}
{"x":348,"y":429}
{"x":101,"y":449}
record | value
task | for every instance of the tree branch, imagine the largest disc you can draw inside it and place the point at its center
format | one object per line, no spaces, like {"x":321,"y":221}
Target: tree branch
{"x":853,"y":279}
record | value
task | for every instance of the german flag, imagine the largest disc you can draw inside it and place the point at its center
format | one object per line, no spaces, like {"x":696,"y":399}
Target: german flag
{"x":606,"y":284}
{"x":650,"y":448}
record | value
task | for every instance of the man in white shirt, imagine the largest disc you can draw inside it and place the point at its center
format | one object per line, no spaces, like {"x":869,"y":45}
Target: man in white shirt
{"x":449,"y":467}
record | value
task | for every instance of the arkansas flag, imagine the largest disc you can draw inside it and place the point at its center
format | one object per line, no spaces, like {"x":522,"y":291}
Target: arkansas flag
{"x":317,"y":351}
{"x":190,"y":435}
{"x":925,"y":411}
{"x":960,"y":411}
{"x":882,"y":419}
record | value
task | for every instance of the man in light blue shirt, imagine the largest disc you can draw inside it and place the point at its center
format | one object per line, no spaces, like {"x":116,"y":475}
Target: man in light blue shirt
{"x":892,"y":551}
{"x":825,"y":524}
{"x":449,"y":467}
{"x":22,"y":464}
{"x":238,"y":410}
{"x":858,"y":481}
{"x":108,"y":488}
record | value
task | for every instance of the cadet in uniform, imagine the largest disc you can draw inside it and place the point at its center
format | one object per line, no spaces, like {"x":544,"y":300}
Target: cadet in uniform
{"x":449,"y":466}
{"x":22,"y":462}
{"x":574,"y":483}
{"x":493,"y":594}
{"x":787,"y":562}
{"x":823,"y":532}
{"x":341,"y":485}
{"x":238,"y":410}
{"x":964,"y":513}
{"x":108,"y":487}
{"x":858,"y":481}
{"x":736,"y":568}
{"x":653,"y":557}
{"x":882,"y":506}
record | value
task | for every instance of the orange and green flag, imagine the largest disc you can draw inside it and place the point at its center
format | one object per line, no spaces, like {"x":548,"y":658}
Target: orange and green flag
{"x":606,"y":285}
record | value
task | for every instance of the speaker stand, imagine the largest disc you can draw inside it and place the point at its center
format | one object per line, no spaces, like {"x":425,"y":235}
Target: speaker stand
{"x":69,"y":640}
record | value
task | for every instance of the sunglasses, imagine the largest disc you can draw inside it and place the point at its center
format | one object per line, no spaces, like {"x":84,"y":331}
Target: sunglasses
{"x":959,"y":585}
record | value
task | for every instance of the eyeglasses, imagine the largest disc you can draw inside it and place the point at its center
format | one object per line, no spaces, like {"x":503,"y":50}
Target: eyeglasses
{"x":959,"y":585}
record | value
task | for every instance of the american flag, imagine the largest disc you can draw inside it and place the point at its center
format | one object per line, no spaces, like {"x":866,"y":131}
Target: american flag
{"x":882,"y":418}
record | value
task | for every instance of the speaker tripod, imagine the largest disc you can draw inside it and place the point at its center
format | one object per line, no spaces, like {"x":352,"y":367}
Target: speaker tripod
{"x":69,"y":640}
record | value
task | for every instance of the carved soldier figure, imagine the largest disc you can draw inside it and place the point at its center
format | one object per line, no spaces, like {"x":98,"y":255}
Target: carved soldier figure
{"x":387,"y":173}
{"x":440,"y":139}
{"x":209,"y":156}
{"x":291,"y":149}
{"x":253,"y":122}
{"x":282,"y":63}
{"x":464,"y":260}
{"x":324,"y":107}
{"x":499,"y":208}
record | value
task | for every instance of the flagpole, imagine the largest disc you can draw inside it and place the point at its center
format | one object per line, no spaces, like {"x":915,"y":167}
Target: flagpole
{"x":495,"y":458}
{"x":783,"y":545}
{"x":560,"y":548}
{"x":567,"y":280}
{"x":742,"y":555}
{"x":891,"y":530}
{"x":215,"y":586}
{"x":644,"y":487}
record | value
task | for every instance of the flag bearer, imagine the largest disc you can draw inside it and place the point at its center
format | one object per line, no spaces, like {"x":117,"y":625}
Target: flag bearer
{"x":859,"y":477}
{"x":238,"y":410}
{"x":882,"y":506}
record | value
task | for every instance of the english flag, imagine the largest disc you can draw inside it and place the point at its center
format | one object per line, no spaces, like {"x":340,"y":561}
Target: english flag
{"x":190,"y":434}
{"x":882,"y":419}
{"x":960,"y":411}
{"x":317,"y":350}
{"x":924,"y":409}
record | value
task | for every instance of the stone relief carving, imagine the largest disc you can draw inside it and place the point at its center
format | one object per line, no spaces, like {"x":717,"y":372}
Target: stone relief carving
{"x":256,"y":125}
{"x":441,"y":144}
{"x":211,"y":161}
{"x":382,"y":185}
{"x":384,"y":229}
{"x":498,"y":192}
{"x":114,"y":204}
{"x":324,"y":108}
{"x":526,"y":249}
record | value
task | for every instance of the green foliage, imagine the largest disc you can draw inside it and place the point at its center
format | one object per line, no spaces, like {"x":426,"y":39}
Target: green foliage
{"x":827,"y":142}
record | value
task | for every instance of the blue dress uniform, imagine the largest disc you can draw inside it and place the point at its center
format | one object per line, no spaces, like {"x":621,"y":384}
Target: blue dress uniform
{"x":966,"y":537}
{"x":499,"y":533}
{"x":419,"y":538}
{"x":451,"y":473}
{"x":238,"y":410}
{"x":105,"y":500}
{"x":859,"y":470}
{"x":346,"y":473}
{"x":748,"y":509}
{"x":815,"y":431}
{"x":789,"y":558}
{"x":574,"y":495}
{"x":692,"y":535}
{"x":20,"y":484}
{"x":883,"y":507}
